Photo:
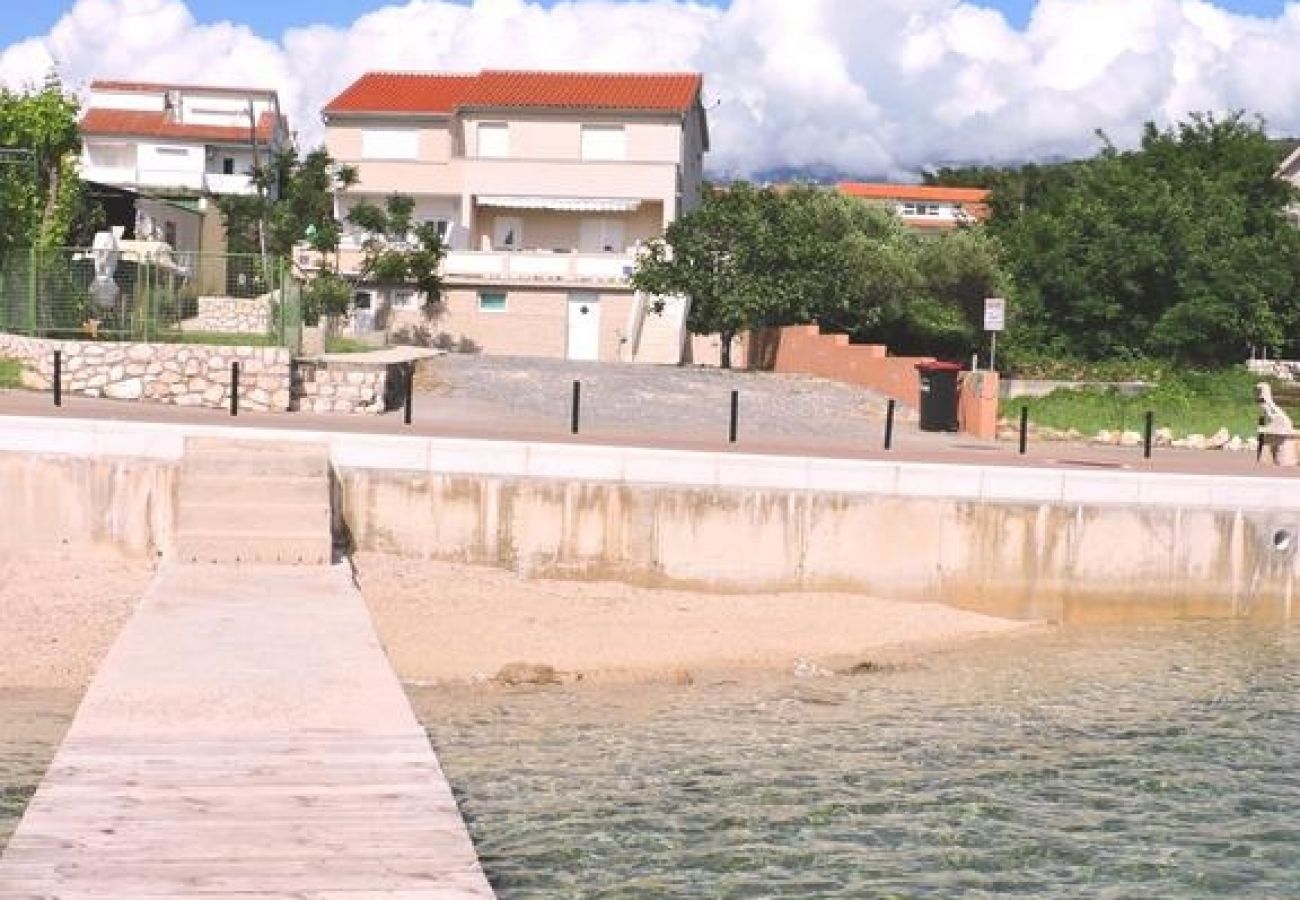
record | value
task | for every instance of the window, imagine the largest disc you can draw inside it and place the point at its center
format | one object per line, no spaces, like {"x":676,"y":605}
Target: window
{"x":404,"y":300}
{"x":169,"y":234}
{"x":493,"y":140}
{"x":390,"y":143}
{"x":492,"y":302}
{"x":601,"y":236}
{"x":227,"y":166}
{"x":920,"y":209}
{"x":603,"y":143}
{"x":172,"y":151}
{"x":361,"y":300}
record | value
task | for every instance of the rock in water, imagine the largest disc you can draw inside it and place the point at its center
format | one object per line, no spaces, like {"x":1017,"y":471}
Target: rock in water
{"x":517,"y":673}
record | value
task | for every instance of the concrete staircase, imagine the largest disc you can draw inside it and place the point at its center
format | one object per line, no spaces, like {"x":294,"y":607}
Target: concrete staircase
{"x":254,"y":502}
{"x":662,"y":335}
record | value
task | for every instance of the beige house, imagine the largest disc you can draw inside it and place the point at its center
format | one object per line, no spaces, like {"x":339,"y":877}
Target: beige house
{"x":543,"y":184}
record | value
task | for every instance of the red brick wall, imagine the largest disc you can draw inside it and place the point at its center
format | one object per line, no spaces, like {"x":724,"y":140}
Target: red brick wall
{"x":803,"y":349}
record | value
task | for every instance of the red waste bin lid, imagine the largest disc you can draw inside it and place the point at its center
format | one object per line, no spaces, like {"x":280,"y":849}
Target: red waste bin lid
{"x":938,"y":366}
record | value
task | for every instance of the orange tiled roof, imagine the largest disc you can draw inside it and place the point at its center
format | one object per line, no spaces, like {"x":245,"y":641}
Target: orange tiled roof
{"x":158,"y":124}
{"x":101,"y":84}
{"x":405,"y":92}
{"x":493,"y":89}
{"x":913,"y":192}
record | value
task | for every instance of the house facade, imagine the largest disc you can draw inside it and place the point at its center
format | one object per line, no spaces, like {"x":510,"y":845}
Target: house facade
{"x":925,"y":208}
{"x":179,"y":144}
{"x":1290,"y":171}
{"x":543,"y":185}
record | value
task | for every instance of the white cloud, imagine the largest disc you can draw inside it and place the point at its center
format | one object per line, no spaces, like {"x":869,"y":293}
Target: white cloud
{"x":879,"y":87}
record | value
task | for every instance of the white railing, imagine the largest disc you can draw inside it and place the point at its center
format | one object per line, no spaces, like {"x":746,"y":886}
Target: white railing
{"x":506,"y":266}
{"x":539,"y":265}
{"x":218,"y":183}
{"x":109,"y":174}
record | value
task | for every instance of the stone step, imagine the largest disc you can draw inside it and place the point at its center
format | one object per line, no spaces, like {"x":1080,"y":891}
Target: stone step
{"x":268,"y":520}
{"x":229,"y":490}
{"x":258,"y":466}
{"x":202,"y":547}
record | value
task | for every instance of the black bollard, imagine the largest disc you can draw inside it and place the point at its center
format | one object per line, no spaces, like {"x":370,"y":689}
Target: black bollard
{"x":410,"y":394}
{"x":577,"y":406}
{"x":234,"y":388}
{"x":1148,"y":435}
{"x":889,"y":424}
{"x":1024,"y":430}
{"x":58,"y":377}
{"x":735,"y":416}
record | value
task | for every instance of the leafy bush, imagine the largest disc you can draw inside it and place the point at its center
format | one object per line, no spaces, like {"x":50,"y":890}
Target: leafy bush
{"x":1186,"y":403}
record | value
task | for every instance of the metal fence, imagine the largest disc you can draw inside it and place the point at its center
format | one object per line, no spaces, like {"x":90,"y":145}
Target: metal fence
{"x":147,"y":297}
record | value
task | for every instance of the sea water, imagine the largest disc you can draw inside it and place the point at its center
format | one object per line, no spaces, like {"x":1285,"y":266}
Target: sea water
{"x":1136,"y":762}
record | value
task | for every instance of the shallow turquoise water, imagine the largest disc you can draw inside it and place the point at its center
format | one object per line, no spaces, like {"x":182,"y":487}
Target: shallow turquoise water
{"x":1156,"y":762}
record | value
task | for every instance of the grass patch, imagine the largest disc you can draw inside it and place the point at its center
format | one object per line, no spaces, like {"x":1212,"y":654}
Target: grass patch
{"x":1186,"y":403}
{"x":11,"y":373}
{"x":341,"y":344}
{"x":217,"y":339}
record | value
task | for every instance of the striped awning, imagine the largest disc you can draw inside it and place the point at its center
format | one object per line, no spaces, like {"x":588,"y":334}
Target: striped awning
{"x":562,"y":204}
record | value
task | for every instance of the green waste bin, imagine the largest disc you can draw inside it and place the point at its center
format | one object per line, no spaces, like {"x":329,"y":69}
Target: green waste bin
{"x":938,"y":401}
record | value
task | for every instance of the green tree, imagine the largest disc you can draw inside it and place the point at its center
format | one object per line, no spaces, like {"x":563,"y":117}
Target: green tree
{"x":398,"y":251}
{"x":1178,"y":249}
{"x":294,"y":204}
{"x":750,"y":257}
{"x":40,"y":193}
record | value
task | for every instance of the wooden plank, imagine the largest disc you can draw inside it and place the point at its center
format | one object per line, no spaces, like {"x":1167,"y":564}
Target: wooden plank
{"x":245,"y":737}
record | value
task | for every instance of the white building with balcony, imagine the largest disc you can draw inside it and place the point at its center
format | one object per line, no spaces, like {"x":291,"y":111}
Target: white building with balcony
{"x":181,"y":143}
{"x":544,"y":185}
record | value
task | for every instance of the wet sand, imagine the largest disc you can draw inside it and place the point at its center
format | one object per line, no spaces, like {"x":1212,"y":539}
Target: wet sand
{"x":451,"y":623}
{"x":59,"y":613}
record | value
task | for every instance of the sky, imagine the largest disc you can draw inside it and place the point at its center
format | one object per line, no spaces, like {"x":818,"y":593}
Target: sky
{"x":884,"y":88}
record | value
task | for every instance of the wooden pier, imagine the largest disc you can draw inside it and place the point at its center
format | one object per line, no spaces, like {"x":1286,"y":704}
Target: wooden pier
{"x":245,"y":737}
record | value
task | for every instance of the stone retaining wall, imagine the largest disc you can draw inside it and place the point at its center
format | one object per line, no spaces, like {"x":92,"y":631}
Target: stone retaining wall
{"x":232,"y":315}
{"x":331,"y":386}
{"x":182,"y":374}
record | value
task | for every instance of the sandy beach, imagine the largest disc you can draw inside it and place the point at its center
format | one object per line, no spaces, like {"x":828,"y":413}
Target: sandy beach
{"x":444,"y":622}
{"x":61,"y":612}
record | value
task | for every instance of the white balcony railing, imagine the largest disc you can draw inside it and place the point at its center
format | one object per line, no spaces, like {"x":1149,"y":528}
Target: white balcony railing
{"x":491,"y":266}
{"x":218,"y":183}
{"x":538,"y":266}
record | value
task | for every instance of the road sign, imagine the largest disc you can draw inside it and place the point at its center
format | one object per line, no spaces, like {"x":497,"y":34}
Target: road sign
{"x":995,"y":314}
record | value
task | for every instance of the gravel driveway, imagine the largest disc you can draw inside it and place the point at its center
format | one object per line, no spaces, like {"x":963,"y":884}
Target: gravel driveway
{"x":667,"y":400}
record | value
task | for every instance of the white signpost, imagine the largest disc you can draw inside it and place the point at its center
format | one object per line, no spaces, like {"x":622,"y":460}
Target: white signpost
{"x":995,"y":320}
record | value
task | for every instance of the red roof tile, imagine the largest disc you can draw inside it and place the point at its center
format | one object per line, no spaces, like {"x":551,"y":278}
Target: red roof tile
{"x":403,"y":92}
{"x":432,"y":93}
{"x":158,"y":124}
{"x":913,"y":192}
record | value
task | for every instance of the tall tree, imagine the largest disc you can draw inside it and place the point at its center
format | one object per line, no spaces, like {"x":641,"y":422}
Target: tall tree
{"x":399,"y":251}
{"x":750,"y":257}
{"x":40,"y":193}
{"x":1179,"y":248}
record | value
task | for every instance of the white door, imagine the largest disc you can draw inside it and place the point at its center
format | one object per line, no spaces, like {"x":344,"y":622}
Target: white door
{"x":584,"y":326}
{"x":507,"y":233}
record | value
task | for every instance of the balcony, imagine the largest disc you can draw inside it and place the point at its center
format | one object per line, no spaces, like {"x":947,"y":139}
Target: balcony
{"x":490,"y":267}
{"x":538,"y":267}
{"x":218,"y":183}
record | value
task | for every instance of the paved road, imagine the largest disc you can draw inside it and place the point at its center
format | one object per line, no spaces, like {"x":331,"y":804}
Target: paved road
{"x":443,"y":413}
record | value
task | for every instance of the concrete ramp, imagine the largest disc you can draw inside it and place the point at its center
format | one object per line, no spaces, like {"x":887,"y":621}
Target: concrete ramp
{"x":254,"y":502}
{"x":245,"y":737}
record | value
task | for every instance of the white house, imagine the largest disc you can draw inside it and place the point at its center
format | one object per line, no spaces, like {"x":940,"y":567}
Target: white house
{"x":181,"y":143}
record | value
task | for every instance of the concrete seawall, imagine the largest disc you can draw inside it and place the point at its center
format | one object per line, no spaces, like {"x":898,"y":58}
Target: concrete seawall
{"x":1055,"y":543}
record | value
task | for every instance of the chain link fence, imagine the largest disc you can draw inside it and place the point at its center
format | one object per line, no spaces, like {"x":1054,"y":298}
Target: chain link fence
{"x":152,"y":297}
